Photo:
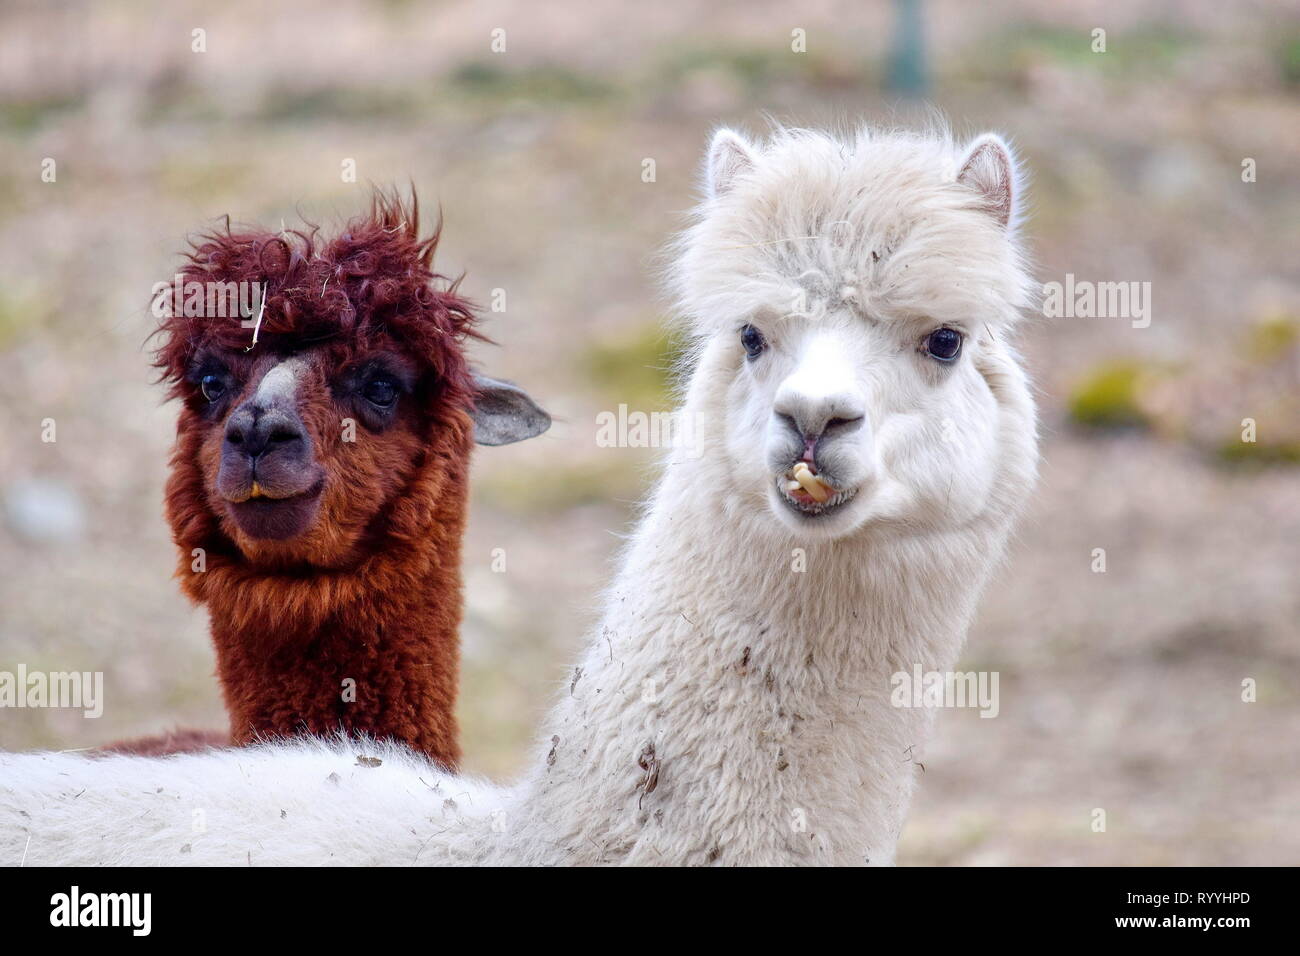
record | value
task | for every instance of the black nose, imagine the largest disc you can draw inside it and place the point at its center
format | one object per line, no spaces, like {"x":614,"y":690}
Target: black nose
{"x":253,"y":431}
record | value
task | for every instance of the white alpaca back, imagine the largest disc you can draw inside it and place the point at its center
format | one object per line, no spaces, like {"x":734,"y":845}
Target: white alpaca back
{"x":301,"y":803}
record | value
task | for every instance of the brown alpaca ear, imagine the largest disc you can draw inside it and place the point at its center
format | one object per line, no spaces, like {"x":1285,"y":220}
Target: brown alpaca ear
{"x":990,"y":170}
{"x":504,"y":413}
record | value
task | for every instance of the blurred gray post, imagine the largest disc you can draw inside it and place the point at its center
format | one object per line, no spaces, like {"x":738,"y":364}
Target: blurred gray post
{"x":907,"y":70}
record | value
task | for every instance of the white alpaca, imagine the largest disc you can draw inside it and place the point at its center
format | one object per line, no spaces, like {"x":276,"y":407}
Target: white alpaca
{"x":851,"y":303}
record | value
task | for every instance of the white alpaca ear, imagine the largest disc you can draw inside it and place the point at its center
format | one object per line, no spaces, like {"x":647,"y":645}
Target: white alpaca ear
{"x":504,"y":413}
{"x":729,"y":156}
{"x":990,"y":170}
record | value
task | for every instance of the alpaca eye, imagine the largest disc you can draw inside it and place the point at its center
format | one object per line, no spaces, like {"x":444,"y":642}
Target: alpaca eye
{"x":753,"y":341}
{"x":380,"y":392}
{"x":943,"y":344}
{"x":212,"y":387}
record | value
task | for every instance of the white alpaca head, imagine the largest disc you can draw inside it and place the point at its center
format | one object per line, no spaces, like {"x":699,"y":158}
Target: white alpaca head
{"x":853,"y":299}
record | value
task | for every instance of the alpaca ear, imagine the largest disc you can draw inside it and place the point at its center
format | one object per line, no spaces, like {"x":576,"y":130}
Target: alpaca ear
{"x":990,"y":170}
{"x":729,"y":156}
{"x":504,"y":413}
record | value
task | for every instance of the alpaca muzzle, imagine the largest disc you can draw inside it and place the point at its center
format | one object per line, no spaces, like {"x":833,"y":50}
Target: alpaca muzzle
{"x":268,"y":476}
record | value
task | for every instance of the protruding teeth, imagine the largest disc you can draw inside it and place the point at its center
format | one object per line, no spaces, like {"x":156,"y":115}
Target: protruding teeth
{"x":810,"y":483}
{"x":255,"y":492}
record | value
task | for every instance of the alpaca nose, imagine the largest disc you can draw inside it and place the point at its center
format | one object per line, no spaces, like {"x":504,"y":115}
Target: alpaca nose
{"x":254,"y":431}
{"x":814,"y":416}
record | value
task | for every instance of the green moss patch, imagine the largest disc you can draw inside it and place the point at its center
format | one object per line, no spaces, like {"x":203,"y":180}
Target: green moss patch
{"x":1107,"y":398}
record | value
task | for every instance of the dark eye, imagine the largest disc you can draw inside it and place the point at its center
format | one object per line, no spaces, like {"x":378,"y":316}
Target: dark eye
{"x":943,"y":344}
{"x":753,"y":341}
{"x":381,"y":392}
{"x":212,"y":387}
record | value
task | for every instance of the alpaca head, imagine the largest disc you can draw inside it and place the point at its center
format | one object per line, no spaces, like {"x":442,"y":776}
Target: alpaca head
{"x":852,"y":301}
{"x":321,"y":380}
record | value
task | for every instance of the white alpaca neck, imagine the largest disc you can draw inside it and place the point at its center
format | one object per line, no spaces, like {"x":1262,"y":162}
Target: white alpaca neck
{"x":734,"y":705}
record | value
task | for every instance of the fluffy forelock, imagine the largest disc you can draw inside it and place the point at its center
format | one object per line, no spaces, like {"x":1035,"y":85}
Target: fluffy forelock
{"x":874,"y":221}
{"x":373,"y":279}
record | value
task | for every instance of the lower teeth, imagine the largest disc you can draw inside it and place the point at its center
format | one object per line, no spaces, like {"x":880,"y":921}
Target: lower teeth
{"x":837,"y":499}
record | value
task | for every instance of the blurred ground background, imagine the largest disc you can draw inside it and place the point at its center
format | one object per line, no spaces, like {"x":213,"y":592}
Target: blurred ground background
{"x":1120,"y":690}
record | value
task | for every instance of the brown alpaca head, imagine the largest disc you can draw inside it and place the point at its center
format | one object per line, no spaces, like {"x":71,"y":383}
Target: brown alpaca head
{"x":320,"y":378}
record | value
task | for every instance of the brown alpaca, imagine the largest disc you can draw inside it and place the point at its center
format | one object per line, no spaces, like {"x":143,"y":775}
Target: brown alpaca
{"x":318,"y":484}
